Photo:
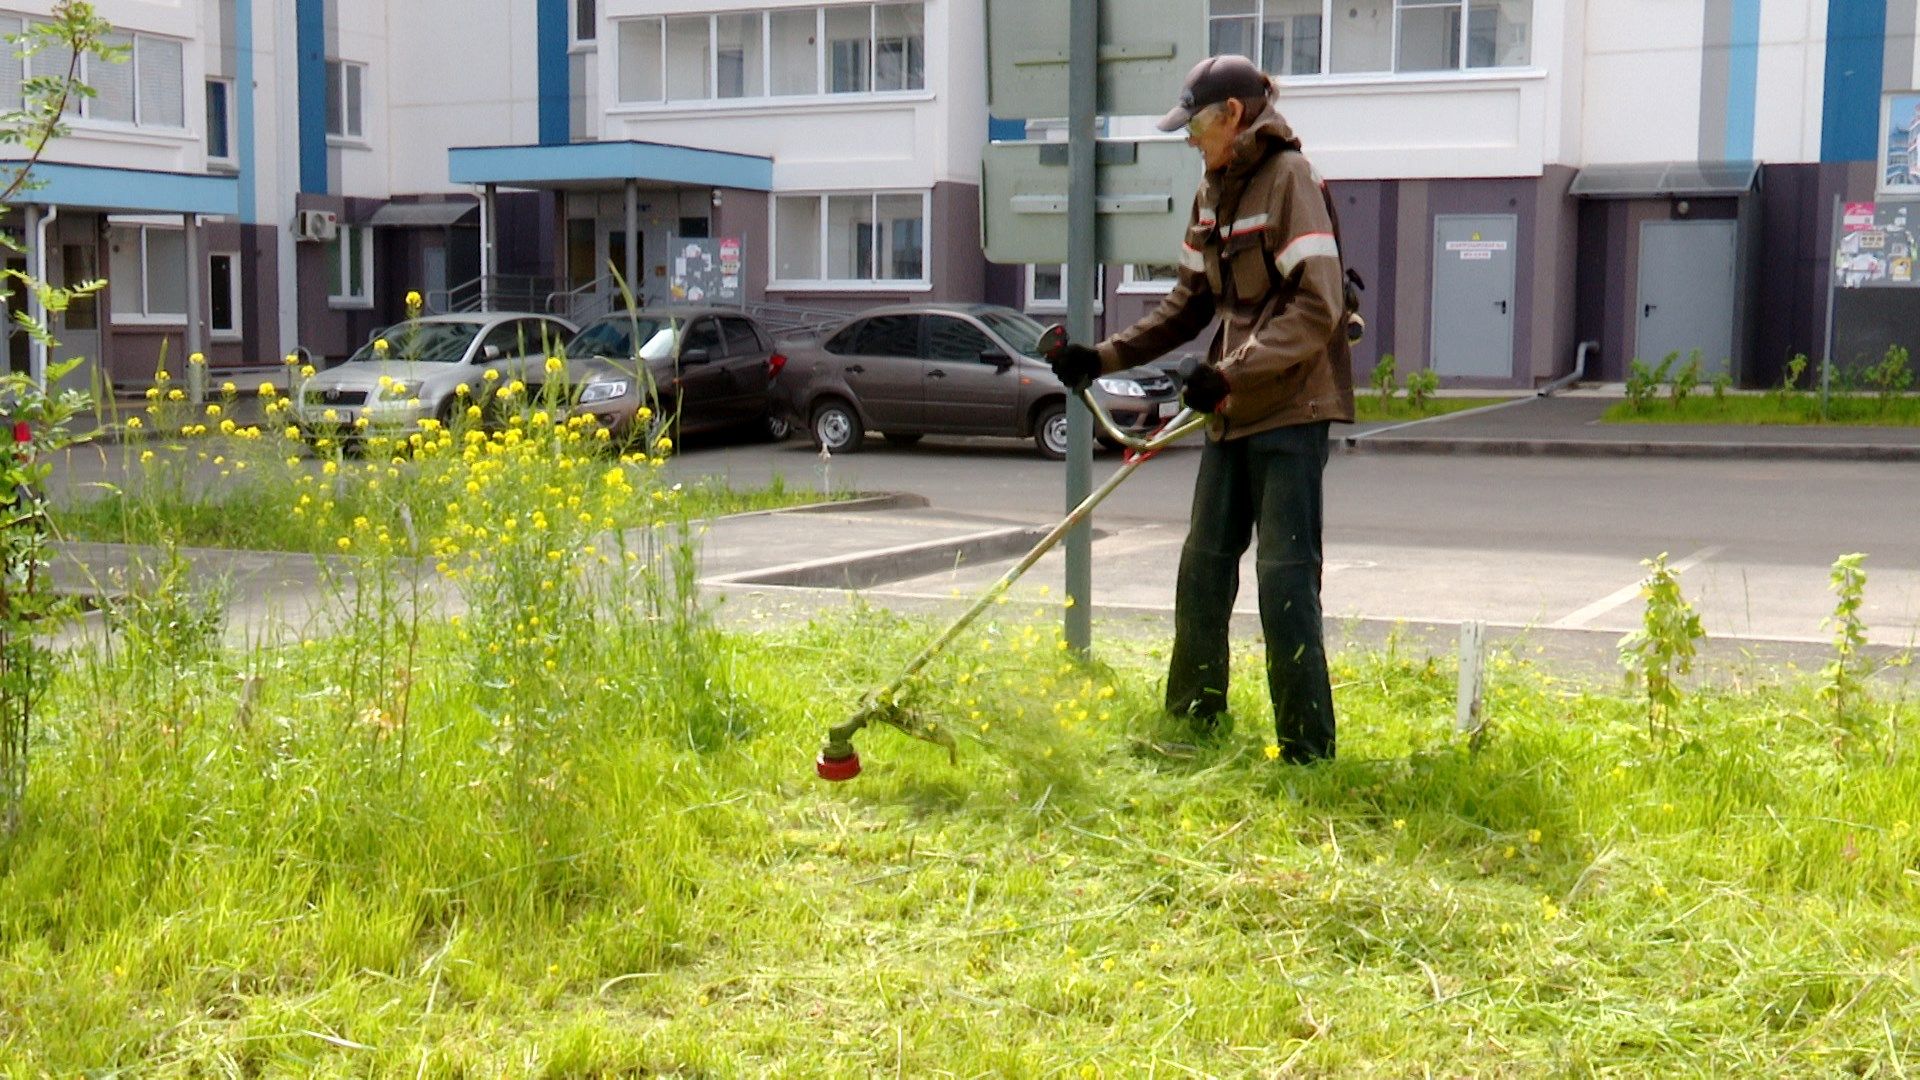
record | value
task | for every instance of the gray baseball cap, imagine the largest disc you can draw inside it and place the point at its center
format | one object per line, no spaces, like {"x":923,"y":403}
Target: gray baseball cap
{"x":1212,"y":81}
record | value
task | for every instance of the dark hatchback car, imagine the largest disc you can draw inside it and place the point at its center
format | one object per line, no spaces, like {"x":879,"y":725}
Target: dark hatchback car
{"x":703,"y":369}
{"x":941,"y":369}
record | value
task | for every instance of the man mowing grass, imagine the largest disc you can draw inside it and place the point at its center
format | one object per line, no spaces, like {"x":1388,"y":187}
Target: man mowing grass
{"x":1262,"y":254}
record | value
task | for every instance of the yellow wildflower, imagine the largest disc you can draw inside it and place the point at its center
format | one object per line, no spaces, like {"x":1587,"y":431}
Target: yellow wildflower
{"x":133,"y":423}
{"x":213,"y":410}
{"x":267,"y":390}
{"x":197,"y":359}
{"x":554,"y":364}
{"x":1272,"y":752}
{"x":229,"y":388}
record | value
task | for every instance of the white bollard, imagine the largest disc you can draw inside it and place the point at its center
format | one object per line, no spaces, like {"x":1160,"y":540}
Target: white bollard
{"x":1473,"y":657}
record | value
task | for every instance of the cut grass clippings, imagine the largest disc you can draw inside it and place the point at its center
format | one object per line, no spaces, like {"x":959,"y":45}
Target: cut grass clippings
{"x":1798,"y":409}
{"x":258,"y":887}
{"x":1368,"y":408}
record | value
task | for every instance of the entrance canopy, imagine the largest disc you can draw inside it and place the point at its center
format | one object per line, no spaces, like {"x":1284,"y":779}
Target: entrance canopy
{"x":600,"y":165}
{"x":1664,"y":179}
{"x":92,"y":187}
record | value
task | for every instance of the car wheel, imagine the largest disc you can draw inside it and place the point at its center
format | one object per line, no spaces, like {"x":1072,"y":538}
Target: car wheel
{"x":836,"y":427}
{"x":903,"y":438}
{"x":776,"y":427}
{"x":1050,"y":431}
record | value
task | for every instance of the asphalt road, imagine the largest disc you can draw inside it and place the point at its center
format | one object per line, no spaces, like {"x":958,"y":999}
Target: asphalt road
{"x":1542,"y":542}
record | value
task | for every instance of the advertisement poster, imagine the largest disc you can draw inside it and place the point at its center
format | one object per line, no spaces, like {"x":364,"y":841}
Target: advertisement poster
{"x":1878,"y":245}
{"x":708,"y":271}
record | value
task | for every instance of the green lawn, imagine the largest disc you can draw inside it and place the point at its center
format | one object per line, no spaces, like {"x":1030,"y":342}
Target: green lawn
{"x":1771,"y":409}
{"x":1368,"y":408}
{"x":641,"y":876}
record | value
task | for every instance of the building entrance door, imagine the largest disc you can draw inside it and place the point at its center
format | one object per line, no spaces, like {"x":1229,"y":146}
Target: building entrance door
{"x":1473,"y":261}
{"x":1687,"y":293}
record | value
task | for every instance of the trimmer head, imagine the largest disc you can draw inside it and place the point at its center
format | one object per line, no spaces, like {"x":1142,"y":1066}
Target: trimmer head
{"x":837,"y":769}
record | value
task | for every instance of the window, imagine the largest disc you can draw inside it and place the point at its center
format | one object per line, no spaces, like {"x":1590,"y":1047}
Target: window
{"x":1307,"y":37}
{"x":145,"y":90}
{"x":883,"y":335}
{"x":703,"y":334}
{"x":843,"y":49}
{"x":739,"y":56}
{"x":223,"y":294}
{"x":1154,"y":278}
{"x":741,"y":338}
{"x":1046,"y":287}
{"x":147,"y":265}
{"x":585,"y":22}
{"x":863,"y":238}
{"x":796,"y":59}
{"x":346,"y":89}
{"x":350,"y":267}
{"x":220,"y":121}
{"x":689,"y":50}
{"x":952,"y":338}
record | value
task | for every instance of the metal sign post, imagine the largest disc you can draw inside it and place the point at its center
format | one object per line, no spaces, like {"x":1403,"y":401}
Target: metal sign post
{"x":1080,"y":282}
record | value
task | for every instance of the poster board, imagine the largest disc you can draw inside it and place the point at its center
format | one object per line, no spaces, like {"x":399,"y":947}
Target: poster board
{"x":709,"y":270}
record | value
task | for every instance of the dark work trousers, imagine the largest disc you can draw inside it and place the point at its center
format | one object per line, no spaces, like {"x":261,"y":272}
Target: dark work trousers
{"x":1269,"y":483}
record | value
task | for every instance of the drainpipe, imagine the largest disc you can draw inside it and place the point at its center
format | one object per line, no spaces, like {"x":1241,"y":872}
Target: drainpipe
{"x":196,"y":341}
{"x":487,"y":257}
{"x":42,"y":228}
{"x":1578,"y":373}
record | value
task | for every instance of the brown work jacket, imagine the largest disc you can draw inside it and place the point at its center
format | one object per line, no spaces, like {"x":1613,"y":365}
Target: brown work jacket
{"x":1261,"y":254}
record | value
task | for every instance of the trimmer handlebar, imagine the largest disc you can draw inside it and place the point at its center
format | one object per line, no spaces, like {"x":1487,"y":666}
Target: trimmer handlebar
{"x":1185,"y":423}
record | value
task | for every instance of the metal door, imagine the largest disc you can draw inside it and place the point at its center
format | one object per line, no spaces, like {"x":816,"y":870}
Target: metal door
{"x":965,"y":393}
{"x":1686,"y":293}
{"x":1473,"y":260}
{"x":433,"y":269}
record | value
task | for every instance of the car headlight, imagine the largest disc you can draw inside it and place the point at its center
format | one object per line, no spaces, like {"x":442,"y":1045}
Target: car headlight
{"x":1121,"y":387}
{"x":603,"y":391}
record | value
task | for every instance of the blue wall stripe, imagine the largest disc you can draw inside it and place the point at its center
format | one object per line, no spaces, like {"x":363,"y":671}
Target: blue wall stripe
{"x":1743,"y":79}
{"x":243,"y":111}
{"x":999,"y":130}
{"x":552,"y":34}
{"x":1856,"y":57}
{"x":310,"y":28}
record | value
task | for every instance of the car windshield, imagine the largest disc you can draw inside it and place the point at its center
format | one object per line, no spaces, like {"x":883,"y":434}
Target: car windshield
{"x":427,"y":342}
{"x":1016,"y":330}
{"x":614,"y":338}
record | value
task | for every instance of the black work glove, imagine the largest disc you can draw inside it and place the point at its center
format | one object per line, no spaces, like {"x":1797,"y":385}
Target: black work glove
{"x":1206,"y":388}
{"x":1076,"y":366}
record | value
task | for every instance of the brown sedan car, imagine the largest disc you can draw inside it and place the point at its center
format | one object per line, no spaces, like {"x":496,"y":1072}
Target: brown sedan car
{"x":948,"y":370}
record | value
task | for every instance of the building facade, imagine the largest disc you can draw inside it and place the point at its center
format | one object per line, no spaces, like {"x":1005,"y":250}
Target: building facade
{"x":1514,"y":177}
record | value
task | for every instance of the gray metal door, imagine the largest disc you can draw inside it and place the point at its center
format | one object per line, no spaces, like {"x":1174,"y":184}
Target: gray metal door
{"x":1473,"y":259}
{"x":1686,"y":293}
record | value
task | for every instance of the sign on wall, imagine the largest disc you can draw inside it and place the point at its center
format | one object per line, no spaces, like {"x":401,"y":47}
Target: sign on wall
{"x":708,"y":271}
{"x":1877,"y":246}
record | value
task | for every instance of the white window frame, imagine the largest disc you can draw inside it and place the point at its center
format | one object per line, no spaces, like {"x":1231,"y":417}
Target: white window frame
{"x":824,"y":284}
{"x":822,"y":92}
{"x":1132,"y":284}
{"x":577,"y":41}
{"x":339,"y":293}
{"x":1392,"y":72}
{"x":231,"y":159}
{"x":234,"y":292}
{"x":346,"y":136}
{"x":145,"y":316}
{"x":1034,"y":304}
{"x":80,"y":110}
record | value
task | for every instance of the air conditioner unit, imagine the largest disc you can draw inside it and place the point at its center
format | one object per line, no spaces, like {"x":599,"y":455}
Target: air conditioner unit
{"x":316,"y":225}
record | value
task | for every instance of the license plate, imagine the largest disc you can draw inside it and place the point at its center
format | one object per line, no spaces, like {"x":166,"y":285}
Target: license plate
{"x":1169,"y":410}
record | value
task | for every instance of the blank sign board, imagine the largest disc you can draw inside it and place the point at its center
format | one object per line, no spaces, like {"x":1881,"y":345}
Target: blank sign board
{"x":1146,"y":49}
{"x":1145,"y":192}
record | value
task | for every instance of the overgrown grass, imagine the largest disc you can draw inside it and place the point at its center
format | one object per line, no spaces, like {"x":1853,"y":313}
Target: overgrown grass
{"x":649,"y":879}
{"x":1368,"y":408}
{"x":1796,"y":409}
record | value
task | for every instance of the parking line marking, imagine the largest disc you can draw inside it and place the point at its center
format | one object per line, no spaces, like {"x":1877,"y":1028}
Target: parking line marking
{"x":1580,"y":619}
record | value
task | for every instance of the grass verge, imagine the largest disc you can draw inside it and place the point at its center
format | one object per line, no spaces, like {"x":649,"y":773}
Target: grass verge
{"x":1798,"y":409}
{"x":1368,"y":408}
{"x":642,"y":876}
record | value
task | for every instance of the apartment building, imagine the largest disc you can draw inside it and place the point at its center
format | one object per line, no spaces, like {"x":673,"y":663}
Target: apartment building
{"x":1514,"y":176}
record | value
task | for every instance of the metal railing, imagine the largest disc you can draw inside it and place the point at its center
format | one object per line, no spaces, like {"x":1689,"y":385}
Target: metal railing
{"x":495,"y":292}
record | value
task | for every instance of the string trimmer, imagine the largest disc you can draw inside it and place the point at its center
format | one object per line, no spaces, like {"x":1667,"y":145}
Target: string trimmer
{"x":837,"y":760}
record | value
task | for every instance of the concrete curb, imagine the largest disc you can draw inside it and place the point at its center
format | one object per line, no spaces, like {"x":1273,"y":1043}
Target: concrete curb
{"x":866,"y":569}
{"x":1595,"y":448}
